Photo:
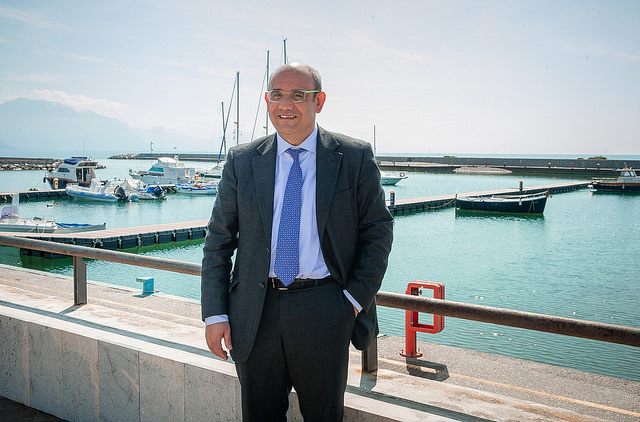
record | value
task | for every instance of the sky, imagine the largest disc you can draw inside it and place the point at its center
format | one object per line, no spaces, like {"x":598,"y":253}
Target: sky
{"x":432,"y":77}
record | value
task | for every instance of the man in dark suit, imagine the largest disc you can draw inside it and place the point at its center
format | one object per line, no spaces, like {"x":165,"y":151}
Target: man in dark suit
{"x":304,"y":212}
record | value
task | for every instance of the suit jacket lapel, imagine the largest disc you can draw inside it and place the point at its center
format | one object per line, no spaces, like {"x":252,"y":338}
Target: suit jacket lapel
{"x":327,"y":167}
{"x":264,"y":171}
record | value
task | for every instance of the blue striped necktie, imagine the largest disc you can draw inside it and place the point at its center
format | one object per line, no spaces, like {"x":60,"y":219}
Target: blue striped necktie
{"x":287,"y":265}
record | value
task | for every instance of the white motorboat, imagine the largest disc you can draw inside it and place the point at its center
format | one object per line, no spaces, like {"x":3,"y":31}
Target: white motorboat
{"x":390,"y":180}
{"x":208,"y":188}
{"x":213,"y":174}
{"x":78,"y":170}
{"x":11,"y":221}
{"x":110,"y":191}
{"x":166,"y":171}
{"x":144,"y":191}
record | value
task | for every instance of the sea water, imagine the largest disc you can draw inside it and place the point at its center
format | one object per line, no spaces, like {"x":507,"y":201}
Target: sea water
{"x":580,"y":260}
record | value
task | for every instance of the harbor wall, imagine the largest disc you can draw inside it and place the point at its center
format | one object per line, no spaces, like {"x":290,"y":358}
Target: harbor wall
{"x":79,"y":372}
{"x":578,"y":162}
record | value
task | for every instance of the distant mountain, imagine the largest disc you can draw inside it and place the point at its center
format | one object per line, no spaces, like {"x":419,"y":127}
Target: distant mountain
{"x":32,"y":125}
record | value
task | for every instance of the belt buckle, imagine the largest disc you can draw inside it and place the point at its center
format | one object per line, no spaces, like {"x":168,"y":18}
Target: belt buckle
{"x":273,"y":284}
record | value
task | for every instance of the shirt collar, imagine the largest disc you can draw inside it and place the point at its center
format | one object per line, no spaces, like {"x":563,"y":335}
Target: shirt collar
{"x":308,"y":144}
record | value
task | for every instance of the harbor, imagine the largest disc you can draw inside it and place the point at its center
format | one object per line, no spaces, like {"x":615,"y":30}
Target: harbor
{"x":508,"y":262}
{"x":437,"y":245}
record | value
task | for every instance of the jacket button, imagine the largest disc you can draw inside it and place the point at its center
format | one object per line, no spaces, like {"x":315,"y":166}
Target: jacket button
{"x":261,"y":285}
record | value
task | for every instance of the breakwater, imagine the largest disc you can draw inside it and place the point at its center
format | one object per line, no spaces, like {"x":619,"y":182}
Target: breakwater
{"x":17,"y":163}
{"x":578,"y":167}
{"x":438,"y":164}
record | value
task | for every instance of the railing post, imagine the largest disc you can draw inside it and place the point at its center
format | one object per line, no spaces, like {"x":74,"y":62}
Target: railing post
{"x":79,"y":281}
{"x":369,"y":357}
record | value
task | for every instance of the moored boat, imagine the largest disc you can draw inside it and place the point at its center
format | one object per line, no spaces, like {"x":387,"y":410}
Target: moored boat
{"x":213,"y":174}
{"x":390,"y":180}
{"x":144,"y":191}
{"x":510,"y":204}
{"x":209,"y":188}
{"x":11,"y":221}
{"x":627,"y":182}
{"x":110,"y":191}
{"x":166,"y":171}
{"x":74,"y":170}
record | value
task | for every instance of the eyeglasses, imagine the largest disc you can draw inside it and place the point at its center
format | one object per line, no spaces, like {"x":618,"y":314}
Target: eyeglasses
{"x":295,"y":95}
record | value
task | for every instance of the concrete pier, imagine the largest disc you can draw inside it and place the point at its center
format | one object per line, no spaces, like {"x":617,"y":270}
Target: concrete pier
{"x":128,"y":356}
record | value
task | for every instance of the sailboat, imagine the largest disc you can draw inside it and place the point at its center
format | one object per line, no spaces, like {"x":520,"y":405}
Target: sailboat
{"x":214,"y":174}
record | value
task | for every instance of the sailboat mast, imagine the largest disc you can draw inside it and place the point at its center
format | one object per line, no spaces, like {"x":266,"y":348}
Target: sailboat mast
{"x":237,"y":108}
{"x":374,"y":140}
{"x":284,"y":43}
{"x":266,"y":123}
{"x":224,"y":134}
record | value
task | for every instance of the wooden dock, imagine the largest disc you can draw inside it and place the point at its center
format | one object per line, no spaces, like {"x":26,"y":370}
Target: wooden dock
{"x":403,"y":206}
{"x":34,"y":195}
{"x":124,"y":238}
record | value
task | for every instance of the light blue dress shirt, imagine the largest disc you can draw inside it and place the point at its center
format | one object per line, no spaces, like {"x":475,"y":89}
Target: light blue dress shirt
{"x":312,"y":263}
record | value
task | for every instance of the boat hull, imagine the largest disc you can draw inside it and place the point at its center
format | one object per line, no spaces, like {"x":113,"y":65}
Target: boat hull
{"x":390,"y":180}
{"x":534,"y":205}
{"x":196,"y":190}
{"x":615,"y":187}
{"x":43,"y":226}
{"x":90,"y":196}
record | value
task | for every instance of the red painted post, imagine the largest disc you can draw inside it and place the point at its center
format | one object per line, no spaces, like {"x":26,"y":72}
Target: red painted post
{"x":412,"y":325}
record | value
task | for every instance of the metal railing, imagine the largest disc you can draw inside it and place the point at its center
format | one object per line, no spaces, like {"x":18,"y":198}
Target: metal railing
{"x":528,"y":320}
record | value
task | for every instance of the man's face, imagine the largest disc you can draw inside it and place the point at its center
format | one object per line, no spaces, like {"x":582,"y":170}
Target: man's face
{"x":295,"y":121}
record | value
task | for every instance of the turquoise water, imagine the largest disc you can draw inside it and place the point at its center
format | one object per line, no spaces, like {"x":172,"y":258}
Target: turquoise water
{"x":580,"y":261}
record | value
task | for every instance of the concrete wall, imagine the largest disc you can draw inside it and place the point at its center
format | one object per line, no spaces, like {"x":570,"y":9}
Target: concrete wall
{"x":80,"y":373}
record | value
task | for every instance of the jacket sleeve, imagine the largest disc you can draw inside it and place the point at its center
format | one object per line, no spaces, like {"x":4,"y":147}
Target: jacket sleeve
{"x":220,"y":243}
{"x":374,"y":234}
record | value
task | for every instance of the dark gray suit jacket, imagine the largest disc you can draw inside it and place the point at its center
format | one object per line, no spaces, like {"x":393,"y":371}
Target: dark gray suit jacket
{"x":354,"y":225}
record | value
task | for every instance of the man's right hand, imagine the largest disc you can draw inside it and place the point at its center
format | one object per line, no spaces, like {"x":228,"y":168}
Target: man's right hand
{"x":214,"y":334}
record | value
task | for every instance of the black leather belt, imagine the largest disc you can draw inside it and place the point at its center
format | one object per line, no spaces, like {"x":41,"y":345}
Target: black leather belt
{"x":298,"y":283}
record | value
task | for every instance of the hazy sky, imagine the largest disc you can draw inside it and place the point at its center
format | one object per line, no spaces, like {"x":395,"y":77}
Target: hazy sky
{"x":434,"y":77}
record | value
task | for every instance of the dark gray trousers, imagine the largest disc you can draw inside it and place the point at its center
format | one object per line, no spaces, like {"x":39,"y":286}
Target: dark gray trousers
{"x":303,"y":341}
